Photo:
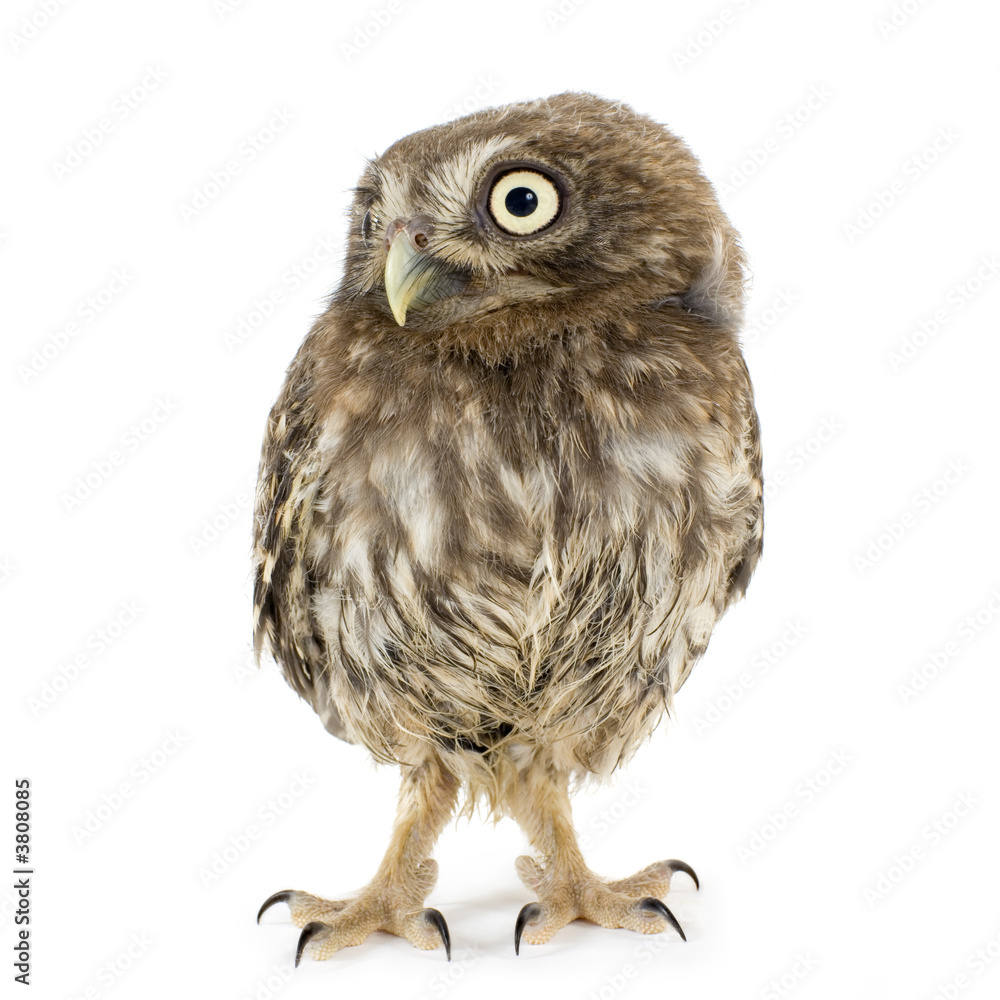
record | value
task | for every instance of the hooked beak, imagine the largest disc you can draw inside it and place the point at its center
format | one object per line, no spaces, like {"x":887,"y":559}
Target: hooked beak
{"x":413,"y":278}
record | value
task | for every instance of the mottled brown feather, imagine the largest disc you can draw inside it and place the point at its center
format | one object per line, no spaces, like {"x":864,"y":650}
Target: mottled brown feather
{"x":506,"y":529}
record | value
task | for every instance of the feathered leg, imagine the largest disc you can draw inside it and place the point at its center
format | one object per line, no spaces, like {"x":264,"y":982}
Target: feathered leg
{"x":393,"y":900}
{"x":566,"y":888}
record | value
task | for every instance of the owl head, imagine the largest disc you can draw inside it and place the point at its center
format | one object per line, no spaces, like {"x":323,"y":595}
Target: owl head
{"x":513,"y":221}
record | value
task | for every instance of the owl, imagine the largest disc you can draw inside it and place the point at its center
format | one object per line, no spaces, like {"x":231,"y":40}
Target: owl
{"x":510,"y":484}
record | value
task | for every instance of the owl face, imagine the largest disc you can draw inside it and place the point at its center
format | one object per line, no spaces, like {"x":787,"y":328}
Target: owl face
{"x":537,"y":201}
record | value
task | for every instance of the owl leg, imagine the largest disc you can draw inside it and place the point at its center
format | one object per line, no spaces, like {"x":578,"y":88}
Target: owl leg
{"x":393,"y":900}
{"x":566,"y":888}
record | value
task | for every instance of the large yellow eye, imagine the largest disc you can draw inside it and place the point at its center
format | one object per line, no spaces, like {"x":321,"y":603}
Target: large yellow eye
{"x":524,"y":201}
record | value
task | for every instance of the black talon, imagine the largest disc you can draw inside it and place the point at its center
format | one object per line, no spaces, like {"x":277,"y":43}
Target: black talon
{"x":682,"y":866}
{"x":653,"y":905}
{"x":308,"y":933}
{"x":436,"y":919}
{"x":277,"y":897}
{"x":529,"y":912}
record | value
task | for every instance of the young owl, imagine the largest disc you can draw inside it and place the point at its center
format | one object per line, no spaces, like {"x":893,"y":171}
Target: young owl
{"x":511,"y":482}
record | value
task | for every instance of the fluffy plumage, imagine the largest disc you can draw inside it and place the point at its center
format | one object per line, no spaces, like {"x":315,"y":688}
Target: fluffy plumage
{"x":494,"y":541}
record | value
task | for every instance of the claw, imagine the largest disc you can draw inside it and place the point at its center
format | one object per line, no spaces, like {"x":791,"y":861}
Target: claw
{"x":529,"y":913}
{"x":436,"y":919}
{"x":653,"y":905}
{"x":277,"y":897}
{"x":682,"y":866}
{"x":308,"y":933}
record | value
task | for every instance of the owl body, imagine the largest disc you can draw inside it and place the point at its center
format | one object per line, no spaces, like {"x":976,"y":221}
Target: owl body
{"x":504,"y":530}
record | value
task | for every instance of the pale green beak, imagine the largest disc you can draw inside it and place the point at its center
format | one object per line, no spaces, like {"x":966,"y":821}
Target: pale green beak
{"x":414,"y":278}
{"x":406,"y":276}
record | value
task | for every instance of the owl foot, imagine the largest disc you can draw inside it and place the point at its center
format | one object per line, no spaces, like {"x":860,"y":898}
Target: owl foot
{"x":566,"y":895}
{"x":383,"y":905}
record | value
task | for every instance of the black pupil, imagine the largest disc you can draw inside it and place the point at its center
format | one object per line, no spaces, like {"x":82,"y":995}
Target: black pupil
{"x":521,"y":201}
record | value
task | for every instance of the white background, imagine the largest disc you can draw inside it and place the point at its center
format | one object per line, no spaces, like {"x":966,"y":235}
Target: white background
{"x":858,"y":158}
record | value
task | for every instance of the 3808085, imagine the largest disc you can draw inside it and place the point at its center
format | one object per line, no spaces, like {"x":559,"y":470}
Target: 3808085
{"x":22,"y":818}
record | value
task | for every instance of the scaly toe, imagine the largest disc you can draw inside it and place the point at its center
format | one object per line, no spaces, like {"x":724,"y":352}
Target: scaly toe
{"x":305,"y":908}
{"x":652,"y":909}
{"x":537,"y":922}
{"x":530,"y":872}
{"x":573,"y":893}
{"x":654,"y":879}
{"x":434,"y":920}
{"x":314,"y":931}
{"x":327,"y":926}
